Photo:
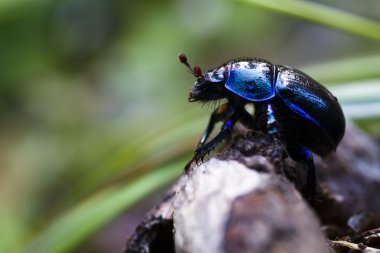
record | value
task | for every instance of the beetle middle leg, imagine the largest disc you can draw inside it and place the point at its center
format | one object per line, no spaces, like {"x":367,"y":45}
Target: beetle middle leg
{"x":273,"y":128}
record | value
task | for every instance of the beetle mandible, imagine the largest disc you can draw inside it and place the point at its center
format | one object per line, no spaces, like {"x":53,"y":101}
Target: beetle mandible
{"x":295,"y":108}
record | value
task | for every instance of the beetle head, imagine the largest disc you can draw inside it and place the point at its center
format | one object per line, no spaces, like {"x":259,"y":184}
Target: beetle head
{"x":208,"y":86}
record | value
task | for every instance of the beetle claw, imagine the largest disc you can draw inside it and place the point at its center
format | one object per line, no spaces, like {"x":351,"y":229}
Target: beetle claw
{"x":201,"y":152}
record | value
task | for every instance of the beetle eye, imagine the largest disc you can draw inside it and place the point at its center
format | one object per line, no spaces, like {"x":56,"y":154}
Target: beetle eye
{"x":199,"y":81}
{"x":218,"y":75}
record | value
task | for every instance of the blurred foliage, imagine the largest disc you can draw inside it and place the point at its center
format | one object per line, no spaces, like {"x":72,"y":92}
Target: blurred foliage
{"x":93,"y":101}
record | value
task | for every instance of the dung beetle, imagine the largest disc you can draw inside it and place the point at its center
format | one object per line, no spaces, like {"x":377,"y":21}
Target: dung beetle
{"x":289,"y":105}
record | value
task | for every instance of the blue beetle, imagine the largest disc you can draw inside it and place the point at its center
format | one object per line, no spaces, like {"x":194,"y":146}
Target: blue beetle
{"x":289,"y":105}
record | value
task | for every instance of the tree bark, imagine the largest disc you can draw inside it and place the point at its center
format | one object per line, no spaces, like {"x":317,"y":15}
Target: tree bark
{"x":243,"y":200}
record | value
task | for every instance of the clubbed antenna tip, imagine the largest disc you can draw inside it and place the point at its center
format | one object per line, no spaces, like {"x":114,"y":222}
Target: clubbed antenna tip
{"x":182,"y":58}
{"x":196,"y":71}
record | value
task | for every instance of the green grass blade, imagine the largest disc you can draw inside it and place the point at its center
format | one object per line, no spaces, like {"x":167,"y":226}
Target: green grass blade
{"x":359,"y":100}
{"x":361,"y":92}
{"x":344,"y":70}
{"x":78,"y":223}
{"x":163,"y":139}
{"x":324,"y":15}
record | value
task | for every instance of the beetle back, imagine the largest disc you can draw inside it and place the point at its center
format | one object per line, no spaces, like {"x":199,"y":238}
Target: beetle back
{"x":309,"y":99}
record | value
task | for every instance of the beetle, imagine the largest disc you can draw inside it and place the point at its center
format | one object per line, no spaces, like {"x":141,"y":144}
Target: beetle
{"x":289,"y":105}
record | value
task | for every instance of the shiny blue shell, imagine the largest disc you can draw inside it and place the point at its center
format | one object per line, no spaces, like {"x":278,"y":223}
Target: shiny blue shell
{"x":258,"y":80}
{"x":251,"y":79}
{"x":311,"y":100}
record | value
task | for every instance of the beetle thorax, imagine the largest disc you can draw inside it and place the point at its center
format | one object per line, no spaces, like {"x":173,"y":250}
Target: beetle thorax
{"x":251,"y":79}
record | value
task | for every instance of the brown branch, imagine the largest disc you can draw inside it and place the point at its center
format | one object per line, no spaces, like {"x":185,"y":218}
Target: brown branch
{"x":226,"y":207}
{"x":243,"y":201}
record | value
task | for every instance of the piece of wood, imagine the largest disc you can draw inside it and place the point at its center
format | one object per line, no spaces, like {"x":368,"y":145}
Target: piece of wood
{"x":350,"y":180}
{"x":155,"y":232}
{"x":242,"y":200}
{"x":226,"y":207}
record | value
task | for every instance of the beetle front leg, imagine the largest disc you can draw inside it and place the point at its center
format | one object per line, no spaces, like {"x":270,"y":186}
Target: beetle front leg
{"x":208,"y":147}
{"x":247,"y":120}
{"x":231,"y":116}
{"x":218,"y":115}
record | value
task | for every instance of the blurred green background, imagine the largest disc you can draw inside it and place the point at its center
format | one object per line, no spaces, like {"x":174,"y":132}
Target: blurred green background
{"x":93,"y":100}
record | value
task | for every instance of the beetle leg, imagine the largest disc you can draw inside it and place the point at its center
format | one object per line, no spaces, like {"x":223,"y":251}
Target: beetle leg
{"x":272,"y":129}
{"x":301,"y":154}
{"x":247,"y":120}
{"x":231,"y":117}
{"x":219,"y":114}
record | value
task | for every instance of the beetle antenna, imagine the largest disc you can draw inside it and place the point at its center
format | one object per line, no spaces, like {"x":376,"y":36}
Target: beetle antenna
{"x":196,"y":71}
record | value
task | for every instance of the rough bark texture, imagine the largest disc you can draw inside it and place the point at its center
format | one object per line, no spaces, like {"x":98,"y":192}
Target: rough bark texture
{"x":350,"y":180}
{"x":244,"y":201}
{"x":155,"y":232}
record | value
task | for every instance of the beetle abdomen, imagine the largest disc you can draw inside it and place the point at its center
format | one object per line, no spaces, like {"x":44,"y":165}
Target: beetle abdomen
{"x":313,"y":102}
